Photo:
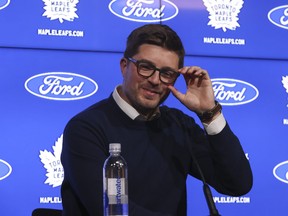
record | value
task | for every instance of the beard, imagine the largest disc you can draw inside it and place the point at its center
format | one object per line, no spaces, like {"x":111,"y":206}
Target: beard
{"x":146,"y":105}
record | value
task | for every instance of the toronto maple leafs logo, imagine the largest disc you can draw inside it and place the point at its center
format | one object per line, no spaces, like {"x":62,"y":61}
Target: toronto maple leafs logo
{"x":223,"y":13}
{"x":60,"y":9}
{"x":52,"y":164}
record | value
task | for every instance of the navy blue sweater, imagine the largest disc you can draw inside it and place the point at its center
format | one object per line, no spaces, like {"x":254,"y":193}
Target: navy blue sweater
{"x":158,"y":154}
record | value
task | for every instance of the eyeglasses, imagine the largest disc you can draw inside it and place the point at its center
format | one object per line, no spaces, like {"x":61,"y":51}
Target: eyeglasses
{"x":147,"y":69}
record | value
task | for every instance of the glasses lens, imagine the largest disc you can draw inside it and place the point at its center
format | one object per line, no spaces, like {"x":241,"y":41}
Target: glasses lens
{"x":145,"y":69}
{"x":168,"y":76}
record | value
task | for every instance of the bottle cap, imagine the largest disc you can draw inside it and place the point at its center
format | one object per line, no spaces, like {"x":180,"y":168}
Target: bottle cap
{"x":114,"y":147}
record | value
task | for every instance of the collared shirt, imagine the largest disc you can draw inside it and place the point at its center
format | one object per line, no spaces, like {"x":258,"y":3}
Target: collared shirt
{"x":213,"y":128}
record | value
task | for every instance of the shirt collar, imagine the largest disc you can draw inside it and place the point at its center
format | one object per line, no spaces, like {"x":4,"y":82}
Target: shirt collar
{"x":129,"y":110}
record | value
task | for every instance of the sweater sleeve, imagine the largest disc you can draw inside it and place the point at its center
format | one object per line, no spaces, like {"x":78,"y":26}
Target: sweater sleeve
{"x":220,"y":156}
{"x":226,"y":167}
{"x":82,"y":158}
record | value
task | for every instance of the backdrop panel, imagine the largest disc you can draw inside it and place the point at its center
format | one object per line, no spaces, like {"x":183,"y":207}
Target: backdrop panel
{"x":33,"y":121}
{"x":256,"y":29}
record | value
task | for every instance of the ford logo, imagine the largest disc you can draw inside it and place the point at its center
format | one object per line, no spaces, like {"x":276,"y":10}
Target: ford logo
{"x":280,"y":172}
{"x":4,"y":3}
{"x":233,"y":92}
{"x":61,"y":86}
{"x":5,"y":169}
{"x":279,"y":16}
{"x":143,"y":10}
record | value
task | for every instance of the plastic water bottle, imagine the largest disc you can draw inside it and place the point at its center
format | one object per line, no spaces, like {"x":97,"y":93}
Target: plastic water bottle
{"x":115,"y":183}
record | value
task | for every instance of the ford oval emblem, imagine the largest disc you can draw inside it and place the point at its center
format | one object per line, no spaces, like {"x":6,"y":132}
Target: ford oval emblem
{"x":61,"y":86}
{"x":143,"y":10}
{"x":233,"y":92}
{"x":280,"y":172}
{"x":279,"y":16}
{"x":4,"y":3}
{"x":5,"y":169}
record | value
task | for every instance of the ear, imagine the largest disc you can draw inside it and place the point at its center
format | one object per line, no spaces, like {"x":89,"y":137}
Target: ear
{"x":123,"y":66}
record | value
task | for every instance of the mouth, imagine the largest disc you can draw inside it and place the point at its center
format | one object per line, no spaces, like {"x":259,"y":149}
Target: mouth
{"x":150,"y":93}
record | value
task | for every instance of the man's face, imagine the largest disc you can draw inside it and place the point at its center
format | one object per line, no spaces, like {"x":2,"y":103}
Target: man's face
{"x":145,"y":94}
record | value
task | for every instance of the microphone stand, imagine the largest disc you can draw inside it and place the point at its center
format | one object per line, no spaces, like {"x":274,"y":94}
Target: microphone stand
{"x":209,"y":199}
{"x":206,"y":189}
{"x":207,"y":192}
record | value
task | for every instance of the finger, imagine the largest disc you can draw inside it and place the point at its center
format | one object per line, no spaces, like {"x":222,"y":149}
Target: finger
{"x":198,"y":72}
{"x":192,"y":72}
{"x":195,"y":77}
{"x":203,"y":75}
{"x":176,"y":93}
{"x":187,"y":73}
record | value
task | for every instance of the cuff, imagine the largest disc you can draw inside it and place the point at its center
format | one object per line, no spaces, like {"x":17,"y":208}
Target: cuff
{"x":216,"y":126}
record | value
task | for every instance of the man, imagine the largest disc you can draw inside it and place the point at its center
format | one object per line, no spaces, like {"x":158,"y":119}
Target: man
{"x":160,"y":144}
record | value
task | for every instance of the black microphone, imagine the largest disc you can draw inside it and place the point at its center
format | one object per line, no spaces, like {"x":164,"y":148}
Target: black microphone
{"x":206,"y":189}
{"x":209,"y":199}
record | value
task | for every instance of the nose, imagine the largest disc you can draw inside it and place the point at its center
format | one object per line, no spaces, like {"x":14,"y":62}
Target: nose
{"x":155,"y":78}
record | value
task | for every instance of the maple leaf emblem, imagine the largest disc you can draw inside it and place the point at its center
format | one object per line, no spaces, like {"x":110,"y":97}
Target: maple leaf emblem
{"x":52,"y":164}
{"x":223,"y":13}
{"x":285,"y":82}
{"x":60,"y":9}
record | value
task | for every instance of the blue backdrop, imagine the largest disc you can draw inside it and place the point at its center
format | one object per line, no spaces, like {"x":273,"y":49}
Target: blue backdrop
{"x":58,"y":57}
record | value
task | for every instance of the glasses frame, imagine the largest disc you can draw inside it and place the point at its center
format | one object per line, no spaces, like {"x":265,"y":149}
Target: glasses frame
{"x":137,"y":62}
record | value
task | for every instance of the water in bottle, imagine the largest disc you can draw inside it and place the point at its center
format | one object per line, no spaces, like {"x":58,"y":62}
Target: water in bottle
{"x":115,"y":183}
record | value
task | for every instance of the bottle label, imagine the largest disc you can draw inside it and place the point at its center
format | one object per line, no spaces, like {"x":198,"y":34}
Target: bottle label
{"x":116,"y":191}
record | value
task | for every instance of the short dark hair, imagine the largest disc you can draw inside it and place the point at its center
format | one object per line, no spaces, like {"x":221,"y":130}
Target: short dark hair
{"x":156,"y":34}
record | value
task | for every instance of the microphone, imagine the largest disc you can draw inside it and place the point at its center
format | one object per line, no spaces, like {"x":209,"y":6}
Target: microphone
{"x":206,"y":189}
{"x":209,"y":199}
